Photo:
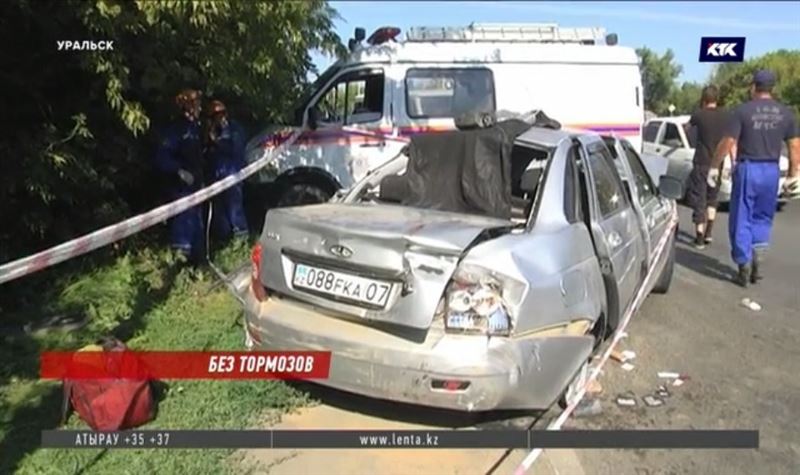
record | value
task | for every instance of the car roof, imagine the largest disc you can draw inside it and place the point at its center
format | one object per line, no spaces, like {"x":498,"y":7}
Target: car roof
{"x":540,"y":136}
{"x":675,"y":119}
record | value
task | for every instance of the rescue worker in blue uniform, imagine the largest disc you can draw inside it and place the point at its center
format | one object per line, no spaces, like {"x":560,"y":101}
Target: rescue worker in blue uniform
{"x":225,"y":148}
{"x":180,"y":159}
{"x":757,"y":129}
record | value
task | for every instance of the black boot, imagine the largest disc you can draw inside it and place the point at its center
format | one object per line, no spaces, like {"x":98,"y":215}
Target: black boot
{"x":743,"y":277}
{"x":700,"y":241}
{"x":758,"y":259}
{"x":709,"y":226}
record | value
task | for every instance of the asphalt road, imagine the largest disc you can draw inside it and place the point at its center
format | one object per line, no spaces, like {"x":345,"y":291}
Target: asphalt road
{"x":742,"y":364}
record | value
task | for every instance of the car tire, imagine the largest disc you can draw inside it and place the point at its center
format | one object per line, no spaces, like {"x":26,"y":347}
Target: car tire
{"x":780,"y":206}
{"x":298,"y":194}
{"x":665,"y":279}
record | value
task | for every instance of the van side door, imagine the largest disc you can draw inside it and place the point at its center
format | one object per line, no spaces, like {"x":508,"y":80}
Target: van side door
{"x":433,"y":96}
{"x":614,"y":224}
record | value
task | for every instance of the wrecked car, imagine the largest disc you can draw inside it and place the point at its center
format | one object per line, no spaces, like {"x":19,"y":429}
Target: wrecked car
{"x":478,"y":270}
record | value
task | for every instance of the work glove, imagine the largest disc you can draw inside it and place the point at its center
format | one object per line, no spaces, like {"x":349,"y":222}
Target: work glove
{"x":713,"y":177}
{"x":186,"y":177}
{"x":791,"y":187}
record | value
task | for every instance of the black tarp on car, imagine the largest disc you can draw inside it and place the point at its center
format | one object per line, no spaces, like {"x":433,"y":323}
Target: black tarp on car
{"x":464,"y":171}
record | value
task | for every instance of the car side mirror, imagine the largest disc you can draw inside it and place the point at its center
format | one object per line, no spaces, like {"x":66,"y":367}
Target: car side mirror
{"x":670,"y":187}
{"x":313,"y":118}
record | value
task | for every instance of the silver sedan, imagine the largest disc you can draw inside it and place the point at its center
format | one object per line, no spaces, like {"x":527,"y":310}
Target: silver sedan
{"x":462,"y":310}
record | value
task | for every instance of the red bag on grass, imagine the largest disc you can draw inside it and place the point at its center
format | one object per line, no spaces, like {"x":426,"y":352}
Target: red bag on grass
{"x":110,"y":404}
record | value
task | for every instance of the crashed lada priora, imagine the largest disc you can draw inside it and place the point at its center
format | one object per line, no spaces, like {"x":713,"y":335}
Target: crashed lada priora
{"x":478,"y":270}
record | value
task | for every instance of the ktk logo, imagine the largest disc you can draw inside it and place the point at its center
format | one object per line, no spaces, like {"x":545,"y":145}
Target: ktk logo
{"x":722,"y":50}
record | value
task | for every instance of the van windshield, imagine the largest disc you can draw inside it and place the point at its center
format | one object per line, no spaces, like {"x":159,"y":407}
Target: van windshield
{"x":310,"y":90}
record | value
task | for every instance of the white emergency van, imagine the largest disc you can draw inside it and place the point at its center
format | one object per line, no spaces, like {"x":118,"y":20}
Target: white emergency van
{"x":360,"y":112}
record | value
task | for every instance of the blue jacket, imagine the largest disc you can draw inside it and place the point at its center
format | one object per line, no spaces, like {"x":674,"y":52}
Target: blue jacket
{"x":226,"y":155}
{"x":181,"y":148}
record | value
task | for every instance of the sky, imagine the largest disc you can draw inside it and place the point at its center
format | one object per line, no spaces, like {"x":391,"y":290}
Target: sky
{"x":768,"y":26}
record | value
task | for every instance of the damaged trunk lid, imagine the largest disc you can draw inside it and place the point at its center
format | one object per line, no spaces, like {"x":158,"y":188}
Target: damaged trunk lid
{"x":378,"y":262}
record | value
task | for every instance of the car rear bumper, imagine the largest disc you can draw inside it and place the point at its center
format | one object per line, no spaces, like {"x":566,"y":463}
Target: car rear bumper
{"x":503,"y":373}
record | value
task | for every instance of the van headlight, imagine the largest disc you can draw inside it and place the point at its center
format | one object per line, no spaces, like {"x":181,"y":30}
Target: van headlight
{"x":480,"y":301}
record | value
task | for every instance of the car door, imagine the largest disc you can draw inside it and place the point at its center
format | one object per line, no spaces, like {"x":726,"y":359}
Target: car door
{"x":671,"y":145}
{"x":650,"y":135}
{"x":614,"y":223}
{"x":654,"y":209}
{"x":350,"y":134}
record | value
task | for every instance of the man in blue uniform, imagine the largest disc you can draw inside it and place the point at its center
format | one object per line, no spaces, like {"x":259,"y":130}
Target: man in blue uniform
{"x":180,"y":159}
{"x":757,"y":129}
{"x":225,"y":146}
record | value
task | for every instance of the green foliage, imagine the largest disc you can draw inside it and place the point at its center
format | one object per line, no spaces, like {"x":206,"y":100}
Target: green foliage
{"x":686,"y":98}
{"x":659,"y":74}
{"x":82,"y":124}
{"x":163,"y":307}
{"x":734,"y":79}
{"x":658,"y":78}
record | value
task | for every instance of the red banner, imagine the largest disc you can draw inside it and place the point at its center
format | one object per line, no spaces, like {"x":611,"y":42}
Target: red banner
{"x":185,"y":365}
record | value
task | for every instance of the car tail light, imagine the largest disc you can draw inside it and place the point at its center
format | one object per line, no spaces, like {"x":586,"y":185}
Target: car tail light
{"x":450,"y":384}
{"x":478,"y":301}
{"x":255,"y":277}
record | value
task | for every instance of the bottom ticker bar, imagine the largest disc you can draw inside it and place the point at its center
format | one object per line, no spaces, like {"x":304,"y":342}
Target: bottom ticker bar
{"x":404,"y":439}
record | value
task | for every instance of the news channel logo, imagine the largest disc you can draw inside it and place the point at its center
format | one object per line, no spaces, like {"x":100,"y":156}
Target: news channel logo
{"x":718,"y":49}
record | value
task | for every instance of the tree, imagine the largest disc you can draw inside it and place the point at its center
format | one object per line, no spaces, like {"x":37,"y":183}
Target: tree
{"x":80,"y":131}
{"x":734,"y":79}
{"x":658,"y":78}
{"x":686,"y":98}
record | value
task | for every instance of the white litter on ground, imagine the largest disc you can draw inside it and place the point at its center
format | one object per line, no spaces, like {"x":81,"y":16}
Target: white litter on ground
{"x":668,"y":375}
{"x":627,"y":366}
{"x":751,"y":304}
{"x":628,"y":355}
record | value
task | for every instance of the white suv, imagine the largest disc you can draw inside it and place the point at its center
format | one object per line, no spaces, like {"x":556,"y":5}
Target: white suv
{"x":665,"y":136}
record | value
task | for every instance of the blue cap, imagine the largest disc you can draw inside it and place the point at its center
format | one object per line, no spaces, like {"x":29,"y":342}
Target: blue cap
{"x":764,"y":77}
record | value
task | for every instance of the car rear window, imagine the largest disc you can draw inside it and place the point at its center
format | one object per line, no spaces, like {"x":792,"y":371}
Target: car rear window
{"x":448,"y":92}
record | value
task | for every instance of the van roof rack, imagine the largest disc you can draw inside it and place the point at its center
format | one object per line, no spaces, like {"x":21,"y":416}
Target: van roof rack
{"x":507,"y":32}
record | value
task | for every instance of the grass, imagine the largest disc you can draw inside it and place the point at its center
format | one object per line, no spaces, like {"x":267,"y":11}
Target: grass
{"x":150,"y":301}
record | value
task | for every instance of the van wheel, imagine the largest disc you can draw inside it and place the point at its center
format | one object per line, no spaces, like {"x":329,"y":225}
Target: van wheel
{"x":298,"y":194}
{"x":665,"y":279}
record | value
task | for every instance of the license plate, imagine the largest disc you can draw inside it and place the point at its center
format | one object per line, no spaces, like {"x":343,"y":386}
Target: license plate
{"x":342,"y":285}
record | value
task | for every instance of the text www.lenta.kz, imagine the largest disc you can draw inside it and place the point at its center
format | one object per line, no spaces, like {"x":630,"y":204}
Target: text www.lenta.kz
{"x":399,"y":440}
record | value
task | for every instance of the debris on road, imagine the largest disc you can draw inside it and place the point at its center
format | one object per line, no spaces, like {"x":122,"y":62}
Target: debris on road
{"x":662,"y":391}
{"x":668,"y":375}
{"x":653,"y":401}
{"x":627,"y":366}
{"x":751,"y":304}
{"x":623,"y":335}
{"x":588,"y":407}
{"x":594,"y":387}
{"x":626,"y":399}
{"x":677,"y":382}
{"x":623,"y":356}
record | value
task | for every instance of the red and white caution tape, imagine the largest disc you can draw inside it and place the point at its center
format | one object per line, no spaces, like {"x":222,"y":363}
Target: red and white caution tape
{"x":115,"y":232}
{"x":526,"y":464}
